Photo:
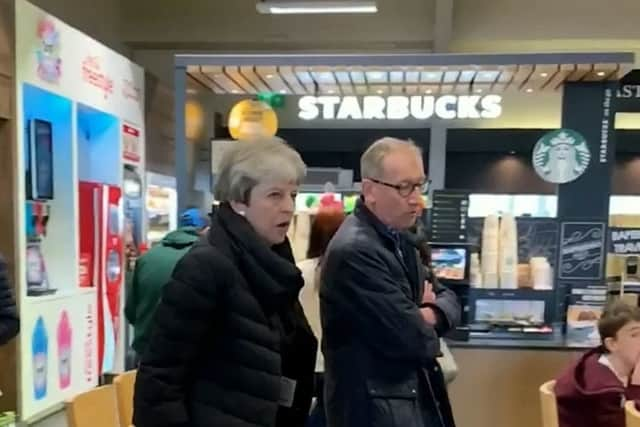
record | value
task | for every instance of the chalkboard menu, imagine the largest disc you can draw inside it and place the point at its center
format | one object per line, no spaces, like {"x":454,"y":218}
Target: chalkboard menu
{"x":449,"y":217}
{"x":582,"y":250}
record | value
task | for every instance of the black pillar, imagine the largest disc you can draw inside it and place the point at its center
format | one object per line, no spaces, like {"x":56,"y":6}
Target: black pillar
{"x":583,"y":205}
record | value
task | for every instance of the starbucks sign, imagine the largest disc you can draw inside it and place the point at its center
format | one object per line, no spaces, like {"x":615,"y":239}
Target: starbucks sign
{"x":561,"y":156}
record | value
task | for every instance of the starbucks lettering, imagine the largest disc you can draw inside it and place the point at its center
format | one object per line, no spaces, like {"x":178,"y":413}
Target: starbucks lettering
{"x":398,"y":107}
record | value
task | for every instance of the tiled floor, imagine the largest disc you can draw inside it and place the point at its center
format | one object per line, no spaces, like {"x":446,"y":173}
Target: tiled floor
{"x":56,"y":420}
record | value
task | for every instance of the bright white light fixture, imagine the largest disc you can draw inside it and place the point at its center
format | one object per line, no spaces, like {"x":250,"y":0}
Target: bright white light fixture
{"x":282,"y":7}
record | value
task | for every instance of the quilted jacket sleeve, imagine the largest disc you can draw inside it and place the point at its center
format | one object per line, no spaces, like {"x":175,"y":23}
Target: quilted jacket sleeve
{"x":448,"y":307}
{"x":9,"y":321}
{"x":183,"y":317}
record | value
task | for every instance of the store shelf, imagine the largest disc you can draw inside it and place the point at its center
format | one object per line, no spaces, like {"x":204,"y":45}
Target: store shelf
{"x":61,"y":294}
{"x":520,"y":293}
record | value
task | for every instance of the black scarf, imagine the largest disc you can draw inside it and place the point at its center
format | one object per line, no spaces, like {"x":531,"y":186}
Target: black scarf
{"x":276,"y":282}
{"x":270,"y":271}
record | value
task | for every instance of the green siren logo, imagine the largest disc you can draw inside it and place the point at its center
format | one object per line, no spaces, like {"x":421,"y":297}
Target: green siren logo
{"x":561,"y":156}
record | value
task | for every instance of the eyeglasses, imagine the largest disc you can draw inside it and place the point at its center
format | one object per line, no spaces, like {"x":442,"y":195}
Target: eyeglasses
{"x":406,"y":188}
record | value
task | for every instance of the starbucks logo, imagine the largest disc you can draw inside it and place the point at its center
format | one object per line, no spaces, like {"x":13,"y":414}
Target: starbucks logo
{"x":561,"y":156}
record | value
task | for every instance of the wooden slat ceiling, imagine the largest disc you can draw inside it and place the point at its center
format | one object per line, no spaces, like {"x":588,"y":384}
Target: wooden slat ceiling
{"x":324,"y":80}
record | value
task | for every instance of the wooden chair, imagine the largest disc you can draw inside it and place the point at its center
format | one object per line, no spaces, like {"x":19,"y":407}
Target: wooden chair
{"x":549,"y":405}
{"x":632,"y":414}
{"x":95,"y":408}
{"x":125,"y":384}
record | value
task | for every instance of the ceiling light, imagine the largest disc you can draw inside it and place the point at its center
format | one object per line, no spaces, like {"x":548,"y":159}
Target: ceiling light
{"x":235,"y":91}
{"x":600,"y":73}
{"x":428,"y":91}
{"x":529,"y":90}
{"x":544,"y":74}
{"x":283,"y":91}
{"x":380,"y":91}
{"x":331,"y":91}
{"x":269,"y":76}
{"x":282,"y":7}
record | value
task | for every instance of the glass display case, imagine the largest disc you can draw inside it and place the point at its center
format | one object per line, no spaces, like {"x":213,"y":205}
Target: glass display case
{"x":161,"y":203}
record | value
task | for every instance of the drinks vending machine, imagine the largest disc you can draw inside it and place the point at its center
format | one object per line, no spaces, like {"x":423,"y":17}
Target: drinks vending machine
{"x":101,"y":261}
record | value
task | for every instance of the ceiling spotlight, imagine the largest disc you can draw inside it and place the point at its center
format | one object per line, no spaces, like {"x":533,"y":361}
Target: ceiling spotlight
{"x":285,"y":7}
{"x":600,"y":73}
{"x":269,"y":76}
{"x":283,"y":91}
{"x":428,"y":91}
{"x":235,"y":91}
{"x":380,"y":91}
{"x":529,"y":90}
{"x":544,"y":74}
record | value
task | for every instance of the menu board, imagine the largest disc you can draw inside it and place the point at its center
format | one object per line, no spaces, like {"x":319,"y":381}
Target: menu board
{"x":582,"y":250}
{"x":449,"y":220}
{"x":585,"y":304}
{"x":624,"y":240}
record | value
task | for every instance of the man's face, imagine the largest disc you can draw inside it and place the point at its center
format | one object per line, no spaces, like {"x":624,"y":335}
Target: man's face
{"x":626,"y":344}
{"x":401,"y":167}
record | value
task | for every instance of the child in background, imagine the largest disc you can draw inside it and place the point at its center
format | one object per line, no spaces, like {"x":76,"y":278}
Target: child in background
{"x":593,"y":391}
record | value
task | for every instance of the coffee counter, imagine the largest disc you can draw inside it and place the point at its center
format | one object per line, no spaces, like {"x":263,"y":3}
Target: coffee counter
{"x":498,"y":379}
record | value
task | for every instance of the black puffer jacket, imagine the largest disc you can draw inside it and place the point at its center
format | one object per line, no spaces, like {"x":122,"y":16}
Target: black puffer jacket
{"x":229,"y":327}
{"x":380,"y":355}
{"x":9,"y":321}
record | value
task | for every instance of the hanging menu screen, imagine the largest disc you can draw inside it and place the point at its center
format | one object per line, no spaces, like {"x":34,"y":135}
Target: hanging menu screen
{"x":449,"y":216}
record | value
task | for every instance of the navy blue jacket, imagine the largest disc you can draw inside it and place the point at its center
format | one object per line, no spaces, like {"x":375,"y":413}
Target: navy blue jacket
{"x":380,"y":355}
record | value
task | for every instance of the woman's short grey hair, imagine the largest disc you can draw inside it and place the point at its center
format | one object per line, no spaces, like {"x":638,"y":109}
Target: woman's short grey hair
{"x":371,"y":162}
{"x":246,"y":164}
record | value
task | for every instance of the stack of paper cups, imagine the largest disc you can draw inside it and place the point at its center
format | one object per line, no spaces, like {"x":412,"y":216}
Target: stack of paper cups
{"x":541,"y":273}
{"x":475,"y":272}
{"x":489,"y":263}
{"x":508,"y":255}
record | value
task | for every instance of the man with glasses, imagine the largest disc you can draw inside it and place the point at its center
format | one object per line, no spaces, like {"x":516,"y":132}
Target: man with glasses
{"x":381,"y":320}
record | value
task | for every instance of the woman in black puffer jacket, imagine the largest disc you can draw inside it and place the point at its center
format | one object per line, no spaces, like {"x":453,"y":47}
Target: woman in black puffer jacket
{"x":9,"y":321}
{"x":230,"y":345}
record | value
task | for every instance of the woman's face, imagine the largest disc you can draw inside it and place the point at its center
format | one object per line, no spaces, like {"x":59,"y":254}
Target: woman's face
{"x":270,"y":209}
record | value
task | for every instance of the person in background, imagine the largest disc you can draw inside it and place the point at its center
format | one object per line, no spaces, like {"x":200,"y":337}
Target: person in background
{"x":324,"y":226}
{"x":153,"y":270}
{"x":230,"y":344}
{"x":9,"y":320}
{"x":381,"y":324}
{"x":592,"y":391}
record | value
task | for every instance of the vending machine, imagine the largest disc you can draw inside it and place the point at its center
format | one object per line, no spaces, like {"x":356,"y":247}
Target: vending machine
{"x":101,"y":261}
